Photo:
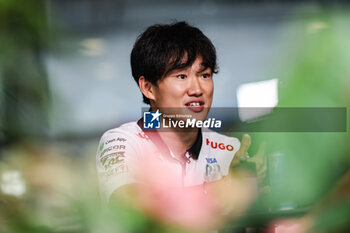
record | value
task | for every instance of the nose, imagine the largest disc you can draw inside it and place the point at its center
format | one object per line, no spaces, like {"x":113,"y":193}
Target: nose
{"x":194,"y":88}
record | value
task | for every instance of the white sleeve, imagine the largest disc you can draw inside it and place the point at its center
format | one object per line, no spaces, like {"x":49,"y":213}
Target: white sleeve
{"x":114,"y":163}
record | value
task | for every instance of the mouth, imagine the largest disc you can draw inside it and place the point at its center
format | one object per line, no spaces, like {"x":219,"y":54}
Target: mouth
{"x":195,"y":106}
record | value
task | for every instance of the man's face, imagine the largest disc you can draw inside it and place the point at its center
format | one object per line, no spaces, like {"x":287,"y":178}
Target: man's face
{"x":189,"y":90}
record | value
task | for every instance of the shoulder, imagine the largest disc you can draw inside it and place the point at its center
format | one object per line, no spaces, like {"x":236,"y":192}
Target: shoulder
{"x":122,"y":133}
{"x":126,"y":135}
{"x":129,"y":128}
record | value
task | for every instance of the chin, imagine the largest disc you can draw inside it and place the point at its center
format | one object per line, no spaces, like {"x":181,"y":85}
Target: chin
{"x":199,"y":116}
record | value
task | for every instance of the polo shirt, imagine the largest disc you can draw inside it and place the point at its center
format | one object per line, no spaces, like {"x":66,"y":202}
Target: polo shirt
{"x":122,"y":150}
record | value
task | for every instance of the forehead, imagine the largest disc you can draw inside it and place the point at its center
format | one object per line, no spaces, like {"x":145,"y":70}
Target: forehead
{"x":184,"y":64}
{"x":197,"y":65}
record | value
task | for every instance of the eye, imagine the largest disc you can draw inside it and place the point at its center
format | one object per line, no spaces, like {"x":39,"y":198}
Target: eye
{"x":181,"y":76}
{"x":206,"y":75}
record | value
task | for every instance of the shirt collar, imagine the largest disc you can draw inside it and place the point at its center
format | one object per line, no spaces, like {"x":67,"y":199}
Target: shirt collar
{"x":164,"y":149}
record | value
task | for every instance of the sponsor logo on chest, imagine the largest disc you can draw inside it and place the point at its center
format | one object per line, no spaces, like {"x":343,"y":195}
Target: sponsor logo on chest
{"x":115,"y":140}
{"x":211,"y":160}
{"x":116,"y":147}
{"x":217,"y":145}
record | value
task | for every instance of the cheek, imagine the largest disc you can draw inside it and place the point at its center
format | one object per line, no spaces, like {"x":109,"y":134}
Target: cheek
{"x":209,"y":94}
{"x":171,"y":95}
{"x":175,"y":91}
{"x":210,"y":89}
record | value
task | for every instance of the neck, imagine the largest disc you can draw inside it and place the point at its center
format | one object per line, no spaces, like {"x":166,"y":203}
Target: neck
{"x":179,"y":141}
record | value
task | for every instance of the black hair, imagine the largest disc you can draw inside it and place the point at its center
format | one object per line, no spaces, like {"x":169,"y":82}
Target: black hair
{"x":161,"y":48}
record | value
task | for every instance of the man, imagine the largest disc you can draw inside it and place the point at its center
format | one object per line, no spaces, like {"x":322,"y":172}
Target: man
{"x":173,"y":66}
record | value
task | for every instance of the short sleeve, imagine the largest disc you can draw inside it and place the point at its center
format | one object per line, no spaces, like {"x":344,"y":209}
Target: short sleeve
{"x":114,"y":163}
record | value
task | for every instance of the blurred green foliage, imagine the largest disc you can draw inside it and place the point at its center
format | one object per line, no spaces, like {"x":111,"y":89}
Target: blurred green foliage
{"x":317,"y":75}
{"x":24,"y":91}
{"x":62,"y":194}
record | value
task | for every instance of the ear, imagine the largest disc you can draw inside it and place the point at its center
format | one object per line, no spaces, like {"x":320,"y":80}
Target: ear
{"x":146,"y":87}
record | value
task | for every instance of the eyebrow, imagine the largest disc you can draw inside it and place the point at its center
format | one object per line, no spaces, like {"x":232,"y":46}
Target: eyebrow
{"x":176,"y":66}
{"x":180,"y":69}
